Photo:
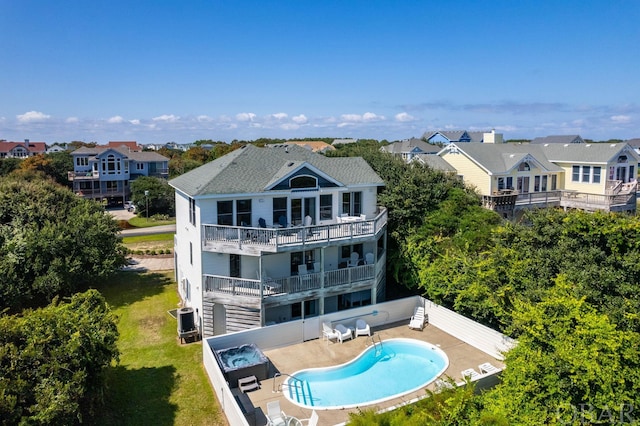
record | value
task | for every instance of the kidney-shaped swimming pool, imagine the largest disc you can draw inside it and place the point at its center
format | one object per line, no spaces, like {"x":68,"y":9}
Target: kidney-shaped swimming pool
{"x":386,"y":370}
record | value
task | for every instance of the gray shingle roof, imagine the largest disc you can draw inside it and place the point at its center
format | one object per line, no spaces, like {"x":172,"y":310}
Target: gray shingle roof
{"x":501,"y":158}
{"x":408,"y":145}
{"x":251,"y":170}
{"x":558,"y":139}
{"x":141,"y":156}
{"x":436,"y":162}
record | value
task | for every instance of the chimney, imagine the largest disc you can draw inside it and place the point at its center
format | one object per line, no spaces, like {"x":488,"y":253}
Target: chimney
{"x":26,"y":143}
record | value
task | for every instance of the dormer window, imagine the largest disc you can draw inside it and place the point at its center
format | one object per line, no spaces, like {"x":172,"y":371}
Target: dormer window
{"x":524,"y":167}
{"x":303,"y":182}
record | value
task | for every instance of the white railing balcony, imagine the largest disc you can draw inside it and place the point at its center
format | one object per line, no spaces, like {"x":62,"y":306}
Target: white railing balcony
{"x":221,"y":238}
{"x":216,"y":284}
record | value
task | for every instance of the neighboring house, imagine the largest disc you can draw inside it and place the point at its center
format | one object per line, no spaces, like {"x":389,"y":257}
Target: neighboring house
{"x":21,"y":149}
{"x":408,"y":149}
{"x":634,"y":143}
{"x":562,"y":139}
{"x":511,"y":177}
{"x":56,"y":147}
{"x":435,"y":162}
{"x":315,"y":146}
{"x":105,"y":172}
{"x":268,"y":235}
{"x":445,"y":137}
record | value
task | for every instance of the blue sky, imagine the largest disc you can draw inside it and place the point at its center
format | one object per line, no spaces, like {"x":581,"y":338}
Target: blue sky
{"x":160,"y":71}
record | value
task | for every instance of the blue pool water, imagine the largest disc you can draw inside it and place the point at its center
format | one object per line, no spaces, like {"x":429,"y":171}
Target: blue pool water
{"x":389,"y":369}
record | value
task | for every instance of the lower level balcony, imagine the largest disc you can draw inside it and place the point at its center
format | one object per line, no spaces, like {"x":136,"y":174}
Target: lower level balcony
{"x":269,"y":287}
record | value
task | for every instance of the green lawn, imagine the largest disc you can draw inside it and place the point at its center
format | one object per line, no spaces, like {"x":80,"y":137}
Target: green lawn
{"x":143,"y":222}
{"x":158,"y":381}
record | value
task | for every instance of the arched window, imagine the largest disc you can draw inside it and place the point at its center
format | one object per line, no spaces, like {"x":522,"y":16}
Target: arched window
{"x":622,"y":159}
{"x":300,"y":182}
{"x":524,"y":167}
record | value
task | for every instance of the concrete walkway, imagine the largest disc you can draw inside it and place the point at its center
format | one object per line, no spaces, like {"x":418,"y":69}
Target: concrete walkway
{"x":150,"y":263}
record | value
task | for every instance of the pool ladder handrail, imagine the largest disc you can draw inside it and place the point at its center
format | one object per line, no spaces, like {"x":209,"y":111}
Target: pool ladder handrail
{"x":374,"y":343}
{"x":279,"y":389}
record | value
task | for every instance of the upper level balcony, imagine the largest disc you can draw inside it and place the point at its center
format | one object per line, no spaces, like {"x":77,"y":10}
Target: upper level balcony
{"x":251,"y":240}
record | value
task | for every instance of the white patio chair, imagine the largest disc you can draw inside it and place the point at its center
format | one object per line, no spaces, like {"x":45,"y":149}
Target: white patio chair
{"x":418,"y":319}
{"x":344,"y":333}
{"x":275,"y":416}
{"x":369,"y":258}
{"x":354,"y":259}
{"x":362,"y":328}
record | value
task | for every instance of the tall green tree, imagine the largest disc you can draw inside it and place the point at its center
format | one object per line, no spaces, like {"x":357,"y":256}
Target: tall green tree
{"x":568,"y":357}
{"x":53,"y":361}
{"x":52,"y":243}
{"x":154,"y":193}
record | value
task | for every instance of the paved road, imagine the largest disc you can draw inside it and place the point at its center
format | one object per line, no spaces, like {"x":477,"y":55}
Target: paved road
{"x":148,"y":231}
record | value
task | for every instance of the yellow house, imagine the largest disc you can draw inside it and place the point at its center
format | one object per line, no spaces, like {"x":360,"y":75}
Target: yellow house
{"x":511,"y":177}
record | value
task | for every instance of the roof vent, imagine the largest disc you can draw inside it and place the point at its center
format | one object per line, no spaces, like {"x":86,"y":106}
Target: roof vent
{"x":290,"y":164}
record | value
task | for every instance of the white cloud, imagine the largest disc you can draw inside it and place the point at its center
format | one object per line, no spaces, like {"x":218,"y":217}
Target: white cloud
{"x":289,"y":126}
{"x":403,"y":117}
{"x":245,"y":116}
{"x":32,"y":116}
{"x":116,"y":119}
{"x":351,"y":117}
{"x":134,"y":122}
{"x":280,"y":115}
{"x":370,"y":116}
{"x":299,"y":119}
{"x":169,"y":118}
{"x":621,"y":118}
{"x":72,"y":120}
{"x":204,"y":118}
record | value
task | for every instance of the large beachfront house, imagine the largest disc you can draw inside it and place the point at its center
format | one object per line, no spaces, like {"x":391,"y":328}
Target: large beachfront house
{"x":511,"y":176}
{"x":104,"y":172}
{"x":21,"y":149}
{"x":269,"y":235}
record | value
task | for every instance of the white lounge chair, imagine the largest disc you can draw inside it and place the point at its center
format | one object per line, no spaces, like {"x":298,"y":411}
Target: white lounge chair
{"x":354,"y":259}
{"x":471,"y":374}
{"x":311,"y":421}
{"x":417,"y":321}
{"x":275,"y":416}
{"x":362,"y":328}
{"x":343,"y":332}
{"x":488,"y":368}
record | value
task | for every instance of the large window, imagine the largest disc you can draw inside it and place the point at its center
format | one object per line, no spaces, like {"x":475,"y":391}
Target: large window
{"x":554,"y":182}
{"x":543,"y":186}
{"x":352,"y":203}
{"x":225,"y":213}
{"x":575,"y":175}
{"x":243,"y":212}
{"x":111,"y":165}
{"x":299,"y":258}
{"x":586,"y":173}
{"x":505,"y":183}
{"x":300,"y":182}
{"x":524,"y":167}
{"x":596,"y":174}
{"x":82,"y":161}
{"x":279,"y":209}
{"x":326,"y":207}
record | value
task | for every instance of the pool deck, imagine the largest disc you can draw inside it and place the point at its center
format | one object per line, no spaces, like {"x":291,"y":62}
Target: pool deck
{"x":320,"y":353}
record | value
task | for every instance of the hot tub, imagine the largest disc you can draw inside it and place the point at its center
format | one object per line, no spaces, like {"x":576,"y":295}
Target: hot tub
{"x":242,"y":361}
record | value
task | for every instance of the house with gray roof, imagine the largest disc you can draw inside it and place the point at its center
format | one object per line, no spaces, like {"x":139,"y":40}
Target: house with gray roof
{"x":512,"y":177}
{"x":276,"y":234}
{"x":408,"y":149}
{"x":561,"y":139}
{"x":105,"y":172}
